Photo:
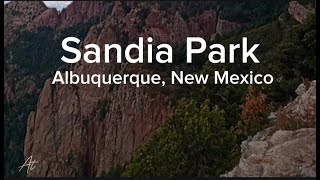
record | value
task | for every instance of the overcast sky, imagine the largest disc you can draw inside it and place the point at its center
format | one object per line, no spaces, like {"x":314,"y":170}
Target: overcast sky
{"x":56,"y":4}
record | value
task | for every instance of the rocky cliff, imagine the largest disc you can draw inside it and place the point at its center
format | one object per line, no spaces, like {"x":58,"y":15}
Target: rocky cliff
{"x":283,"y":153}
{"x":300,"y":12}
{"x":48,"y":18}
{"x":277,"y":151}
{"x":20,"y":16}
{"x":135,"y":19}
{"x":17,"y":15}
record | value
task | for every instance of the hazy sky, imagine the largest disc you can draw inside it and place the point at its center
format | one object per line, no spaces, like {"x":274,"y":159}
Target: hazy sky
{"x":56,"y":4}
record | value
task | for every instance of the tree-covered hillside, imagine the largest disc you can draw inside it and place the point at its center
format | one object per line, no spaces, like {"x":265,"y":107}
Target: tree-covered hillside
{"x":201,"y":140}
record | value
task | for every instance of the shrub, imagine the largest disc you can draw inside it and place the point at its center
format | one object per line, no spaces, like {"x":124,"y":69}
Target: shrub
{"x":254,"y":112}
{"x":288,"y":120}
{"x":194,"y":142}
{"x":113,"y":172}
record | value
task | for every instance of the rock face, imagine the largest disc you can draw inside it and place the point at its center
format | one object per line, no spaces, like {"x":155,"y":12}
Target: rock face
{"x":282,"y":153}
{"x":299,"y":12}
{"x":82,"y":130}
{"x":17,"y":15}
{"x":304,"y":106}
{"x":80,"y":12}
{"x":225,"y":26}
{"x":8,"y":86}
{"x":20,"y":16}
{"x":49,"y":18}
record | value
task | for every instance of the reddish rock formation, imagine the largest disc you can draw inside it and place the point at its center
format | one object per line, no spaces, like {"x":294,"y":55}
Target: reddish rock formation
{"x":80,"y":12}
{"x":165,"y":25}
{"x":85,"y":130}
{"x":17,"y":15}
{"x":49,"y":18}
{"x":8,"y":88}
{"x":22,"y":15}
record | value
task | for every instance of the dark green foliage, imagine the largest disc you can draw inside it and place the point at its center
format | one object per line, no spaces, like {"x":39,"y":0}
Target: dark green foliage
{"x":287,"y":51}
{"x":311,"y":3}
{"x":142,"y":14}
{"x":291,"y":59}
{"x":115,"y":171}
{"x":103,"y":110}
{"x":195,"y":142}
{"x":244,"y":11}
{"x":251,"y":11}
{"x":165,"y":5}
{"x":40,"y":53}
{"x":230,"y":97}
{"x":14,"y":132}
